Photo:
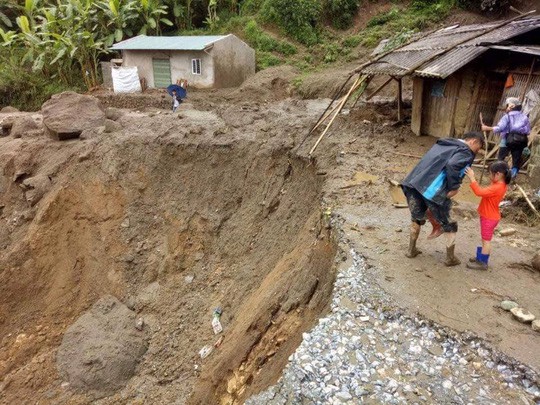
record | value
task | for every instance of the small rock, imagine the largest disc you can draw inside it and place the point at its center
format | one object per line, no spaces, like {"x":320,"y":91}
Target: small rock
{"x":523,"y":315}
{"x":447,"y":384}
{"x":189,"y":279}
{"x":536,"y":325}
{"x":507,"y":232}
{"x":536,"y":262}
{"x":344,"y":396}
{"x":140,"y":324}
{"x":125,"y":223}
{"x":508,"y":305}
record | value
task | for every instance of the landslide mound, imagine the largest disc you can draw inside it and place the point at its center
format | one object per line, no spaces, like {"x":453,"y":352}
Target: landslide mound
{"x":174,"y":227}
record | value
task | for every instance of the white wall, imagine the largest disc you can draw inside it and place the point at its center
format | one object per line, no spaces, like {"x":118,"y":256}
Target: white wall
{"x":180,"y":65}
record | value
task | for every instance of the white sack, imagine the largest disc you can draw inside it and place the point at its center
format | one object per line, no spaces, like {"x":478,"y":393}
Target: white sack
{"x":126,"y":80}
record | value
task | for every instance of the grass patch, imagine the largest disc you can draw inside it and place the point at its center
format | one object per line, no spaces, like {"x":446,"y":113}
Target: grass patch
{"x":416,"y":17}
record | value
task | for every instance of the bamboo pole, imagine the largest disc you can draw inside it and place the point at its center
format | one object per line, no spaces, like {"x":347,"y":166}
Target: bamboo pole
{"x":486,"y":149}
{"x":382,"y":86}
{"x":527,"y":199}
{"x":358,"y":81}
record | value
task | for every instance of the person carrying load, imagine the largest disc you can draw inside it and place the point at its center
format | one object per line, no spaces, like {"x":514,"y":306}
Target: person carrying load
{"x":514,"y":128}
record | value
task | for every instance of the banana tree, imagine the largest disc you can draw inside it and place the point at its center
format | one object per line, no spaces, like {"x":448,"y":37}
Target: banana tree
{"x":152,"y":14}
{"x":117,"y":18}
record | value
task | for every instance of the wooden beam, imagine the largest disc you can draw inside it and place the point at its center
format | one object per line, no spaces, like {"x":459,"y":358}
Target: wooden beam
{"x":379,"y":89}
{"x":528,"y":80}
{"x":399,"y":100}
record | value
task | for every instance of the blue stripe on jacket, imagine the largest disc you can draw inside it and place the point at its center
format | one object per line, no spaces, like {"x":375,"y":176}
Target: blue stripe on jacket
{"x":435,"y":186}
{"x":438,"y":182}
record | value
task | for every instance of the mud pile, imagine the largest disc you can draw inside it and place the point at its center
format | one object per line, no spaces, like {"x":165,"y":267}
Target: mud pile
{"x":174,"y":216}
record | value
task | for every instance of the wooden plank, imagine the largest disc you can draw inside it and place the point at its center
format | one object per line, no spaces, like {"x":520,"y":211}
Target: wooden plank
{"x":416,"y":118}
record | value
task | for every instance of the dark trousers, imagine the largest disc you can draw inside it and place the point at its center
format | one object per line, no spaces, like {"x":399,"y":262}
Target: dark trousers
{"x":515,"y":150}
{"x":418,"y":206}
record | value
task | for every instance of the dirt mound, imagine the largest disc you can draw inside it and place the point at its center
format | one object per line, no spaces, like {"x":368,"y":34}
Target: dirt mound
{"x":269,"y":84}
{"x":67,"y":114}
{"x":100,"y":351}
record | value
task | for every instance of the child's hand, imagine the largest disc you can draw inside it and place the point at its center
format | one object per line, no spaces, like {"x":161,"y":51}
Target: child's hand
{"x":470,"y":173}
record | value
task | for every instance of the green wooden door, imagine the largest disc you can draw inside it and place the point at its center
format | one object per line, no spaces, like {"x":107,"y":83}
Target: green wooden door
{"x":162,"y":72}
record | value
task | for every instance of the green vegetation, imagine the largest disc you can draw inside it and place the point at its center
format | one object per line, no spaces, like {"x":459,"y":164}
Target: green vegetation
{"x":402,"y":19}
{"x":57,"y":44}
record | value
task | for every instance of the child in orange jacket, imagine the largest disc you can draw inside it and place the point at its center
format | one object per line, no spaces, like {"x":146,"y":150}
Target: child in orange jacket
{"x":488,"y":209}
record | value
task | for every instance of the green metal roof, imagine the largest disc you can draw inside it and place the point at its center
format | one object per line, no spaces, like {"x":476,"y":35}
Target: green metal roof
{"x":142,"y":42}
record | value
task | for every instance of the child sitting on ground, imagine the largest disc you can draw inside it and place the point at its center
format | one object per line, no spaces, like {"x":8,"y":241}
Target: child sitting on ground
{"x":488,"y":209}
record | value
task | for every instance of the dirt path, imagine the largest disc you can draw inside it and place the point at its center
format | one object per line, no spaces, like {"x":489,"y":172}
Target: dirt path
{"x":369,"y":153}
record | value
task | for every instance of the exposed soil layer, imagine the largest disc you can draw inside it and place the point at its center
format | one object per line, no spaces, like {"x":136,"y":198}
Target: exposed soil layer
{"x":174,"y":217}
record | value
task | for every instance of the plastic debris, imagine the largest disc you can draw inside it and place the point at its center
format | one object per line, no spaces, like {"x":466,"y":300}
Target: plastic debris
{"x":205,"y":351}
{"x":216,"y":323}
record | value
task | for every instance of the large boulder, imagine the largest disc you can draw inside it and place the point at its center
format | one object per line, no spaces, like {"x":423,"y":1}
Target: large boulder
{"x":67,"y":114}
{"x":100,"y":351}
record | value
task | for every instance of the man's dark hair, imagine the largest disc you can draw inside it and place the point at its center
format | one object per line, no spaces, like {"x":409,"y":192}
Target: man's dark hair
{"x":475,"y":135}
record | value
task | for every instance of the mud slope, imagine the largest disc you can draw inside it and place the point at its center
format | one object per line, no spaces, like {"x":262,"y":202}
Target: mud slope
{"x":174,"y":220}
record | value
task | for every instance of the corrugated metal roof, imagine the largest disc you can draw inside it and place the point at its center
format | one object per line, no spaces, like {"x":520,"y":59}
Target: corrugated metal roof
{"x":531,"y":50}
{"x":447,"y":50}
{"x":143,"y":42}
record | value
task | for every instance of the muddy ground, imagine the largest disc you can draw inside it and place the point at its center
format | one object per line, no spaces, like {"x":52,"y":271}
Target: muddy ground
{"x":218,"y":206}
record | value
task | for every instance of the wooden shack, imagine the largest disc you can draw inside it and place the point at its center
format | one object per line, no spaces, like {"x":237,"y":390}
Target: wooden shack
{"x":461,"y":71}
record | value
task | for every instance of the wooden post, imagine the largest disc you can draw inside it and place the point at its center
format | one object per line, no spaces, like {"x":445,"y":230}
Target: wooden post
{"x":399,"y":101}
{"x":524,"y":92}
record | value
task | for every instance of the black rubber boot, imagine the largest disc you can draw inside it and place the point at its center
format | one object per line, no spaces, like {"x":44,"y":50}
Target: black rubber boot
{"x":451,"y":259}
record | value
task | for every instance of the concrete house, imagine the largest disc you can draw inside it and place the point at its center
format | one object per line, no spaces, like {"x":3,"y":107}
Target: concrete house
{"x":204,"y":61}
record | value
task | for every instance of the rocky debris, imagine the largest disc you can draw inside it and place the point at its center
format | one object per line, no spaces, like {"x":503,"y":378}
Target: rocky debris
{"x":5,"y":126}
{"x":507,"y":232}
{"x":67,"y":115}
{"x":536,"y":262}
{"x":100,"y":351}
{"x":508,"y":305}
{"x":9,"y":109}
{"x":536,"y":325}
{"x":112,"y":113}
{"x":23,"y":125}
{"x":522,"y":315}
{"x":35,"y":188}
{"x":112,"y":126}
{"x":393,"y":358}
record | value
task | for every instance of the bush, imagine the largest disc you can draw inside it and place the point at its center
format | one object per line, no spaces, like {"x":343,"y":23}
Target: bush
{"x":298,"y":18}
{"x":340,"y":12}
{"x":266,"y":60}
{"x":250,"y":7}
{"x":263,"y":42}
{"x":26,"y":90}
{"x":352,"y":42}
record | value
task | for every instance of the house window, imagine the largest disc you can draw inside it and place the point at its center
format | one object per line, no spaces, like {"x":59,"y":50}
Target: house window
{"x":196,"y":66}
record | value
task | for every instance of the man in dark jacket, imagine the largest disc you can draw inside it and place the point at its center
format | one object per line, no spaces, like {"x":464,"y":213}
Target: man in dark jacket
{"x":431,"y":184}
